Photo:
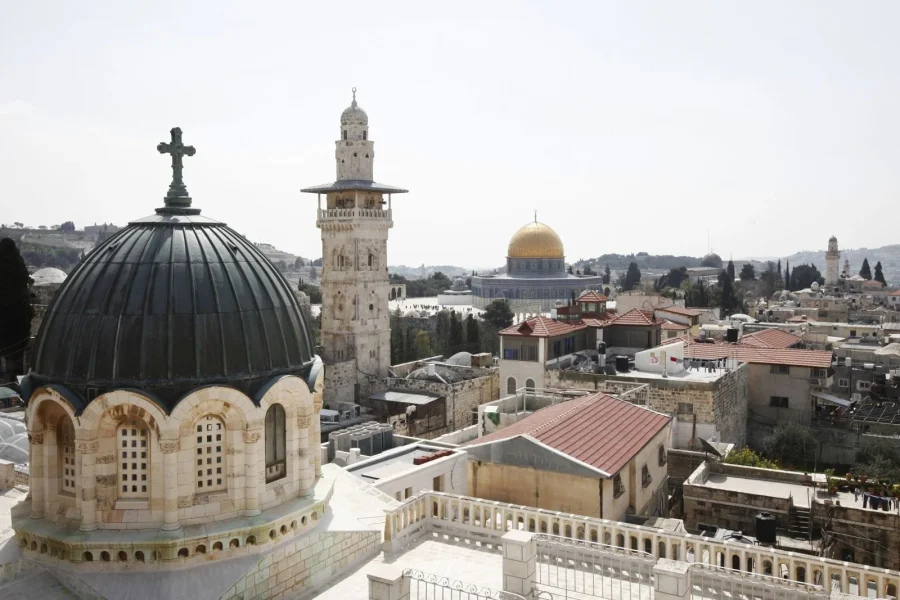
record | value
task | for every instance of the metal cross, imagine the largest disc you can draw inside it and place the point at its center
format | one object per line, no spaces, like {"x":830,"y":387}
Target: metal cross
{"x":178,"y":194}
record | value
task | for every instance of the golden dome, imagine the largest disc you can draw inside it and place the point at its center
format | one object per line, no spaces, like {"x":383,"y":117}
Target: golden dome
{"x":535,"y":240}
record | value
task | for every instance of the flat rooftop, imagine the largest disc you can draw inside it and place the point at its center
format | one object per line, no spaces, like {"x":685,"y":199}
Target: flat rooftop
{"x":801,"y":494}
{"x":392,"y":464}
{"x":693,"y":375}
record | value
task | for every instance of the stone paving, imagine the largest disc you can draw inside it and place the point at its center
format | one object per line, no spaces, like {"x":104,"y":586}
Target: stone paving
{"x":457,"y":560}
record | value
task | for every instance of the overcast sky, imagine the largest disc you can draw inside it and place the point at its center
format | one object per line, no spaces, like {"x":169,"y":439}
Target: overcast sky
{"x":629,"y":126}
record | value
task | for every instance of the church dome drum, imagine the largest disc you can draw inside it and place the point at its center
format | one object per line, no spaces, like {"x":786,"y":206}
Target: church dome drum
{"x":173,"y":302}
{"x":535,"y":240}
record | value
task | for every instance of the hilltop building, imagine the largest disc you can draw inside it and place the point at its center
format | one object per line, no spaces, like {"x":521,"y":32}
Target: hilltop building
{"x":536,"y":279}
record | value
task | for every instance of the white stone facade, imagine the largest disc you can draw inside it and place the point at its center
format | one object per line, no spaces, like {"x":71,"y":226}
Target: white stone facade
{"x":218,"y":458}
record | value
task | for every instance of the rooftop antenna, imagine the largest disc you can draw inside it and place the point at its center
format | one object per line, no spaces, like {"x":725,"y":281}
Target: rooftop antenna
{"x":535,"y":215}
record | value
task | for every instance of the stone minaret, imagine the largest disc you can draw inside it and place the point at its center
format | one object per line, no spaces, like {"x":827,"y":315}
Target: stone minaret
{"x":832,"y":263}
{"x":355,"y":220}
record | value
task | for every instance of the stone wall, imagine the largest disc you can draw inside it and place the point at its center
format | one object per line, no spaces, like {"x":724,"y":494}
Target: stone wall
{"x":721,"y":404}
{"x":681,"y":463}
{"x":462,"y":398}
{"x":305,"y":565}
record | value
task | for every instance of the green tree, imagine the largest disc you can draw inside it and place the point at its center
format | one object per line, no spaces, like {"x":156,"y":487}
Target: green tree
{"x":727,"y":300}
{"x":442,"y":333}
{"x":569,"y":270}
{"x":780,"y":274}
{"x":423,"y":344}
{"x":769,"y":279}
{"x":730,"y":270}
{"x":879,"y":276}
{"x":313,"y":291}
{"x":588,"y":270}
{"x":396,"y":338}
{"x":15,"y":302}
{"x":409,"y":343}
{"x":792,"y":444}
{"x":632,"y":277}
{"x":804,"y":276}
{"x":878,"y":460}
{"x":865,"y":272}
{"x":748,"y":273}
{"x":748,"y":458}
{"x":607,"y":275}
{"x":456,"y":335}
{"x":67,"y":226}
{"x":498,"y":314}
{"x":473,"y":341}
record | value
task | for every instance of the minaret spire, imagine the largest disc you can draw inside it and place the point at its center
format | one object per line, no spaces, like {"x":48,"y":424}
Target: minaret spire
{"x":353,"y":104}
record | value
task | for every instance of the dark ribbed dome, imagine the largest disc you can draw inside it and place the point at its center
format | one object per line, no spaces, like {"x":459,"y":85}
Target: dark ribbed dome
{"x":171,"y":303}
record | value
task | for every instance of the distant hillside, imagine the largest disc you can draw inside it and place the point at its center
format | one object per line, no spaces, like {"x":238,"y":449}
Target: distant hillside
{"x":424,"y":271}
{"x":645,"y":262}
{"x":888,"y":255}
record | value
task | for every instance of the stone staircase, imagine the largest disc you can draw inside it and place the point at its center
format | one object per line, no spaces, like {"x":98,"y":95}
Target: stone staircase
{"x":799,"y":523}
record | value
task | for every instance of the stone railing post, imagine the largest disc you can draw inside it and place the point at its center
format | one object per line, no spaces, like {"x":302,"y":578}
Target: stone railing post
{"x":671,"y":580}
{"x":387,"y":582}
{"x":87,"y":449}
{"x":519,"y":559}
{"x":316,"y":435}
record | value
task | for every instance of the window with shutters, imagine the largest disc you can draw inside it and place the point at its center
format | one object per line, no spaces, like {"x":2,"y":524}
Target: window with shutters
{"x":134,"y":460}
{"x":65,"y":448}
{"x":275,"y":463}
{"x":210,"y":454}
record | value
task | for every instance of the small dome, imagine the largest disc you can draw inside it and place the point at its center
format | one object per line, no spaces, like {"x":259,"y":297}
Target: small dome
{"x":459,"y":285}
{"x":535,"y":240}
{"x":711,"y":260}
{"x":354,"y":114}
{"x":48,"y":276}
{"x":832,"y":239}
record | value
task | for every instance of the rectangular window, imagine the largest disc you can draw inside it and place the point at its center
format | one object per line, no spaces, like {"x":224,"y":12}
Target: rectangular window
{"x":778,"y":402}
{"x":863,"y":385}
{"x":663,"y":459}
{"x":557,"y":349}
{"x":685,"y":407}
{"x":646,"y":479}
{"x":843,"y":383}
{"x":511,"y":353}
{"x":779,"y":369}
{"x":618,"y":486}
{"x":529,"y":352}
{"x":818,"y":373}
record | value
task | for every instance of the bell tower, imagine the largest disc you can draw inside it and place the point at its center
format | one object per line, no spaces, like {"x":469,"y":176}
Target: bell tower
{"x":354,"y":222}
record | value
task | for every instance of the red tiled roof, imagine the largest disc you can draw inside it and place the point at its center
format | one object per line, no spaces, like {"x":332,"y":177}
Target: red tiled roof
{"x":818,"y":359}
{"x":591,"y":296}
{"x":680,"y":310}
{"x":895,"y":293}
{"x":542,"y":327}
{"x":598,"y":430}
{"x":671,"y":326}
{"x":635,"y":316}
{"x":770,"y":338}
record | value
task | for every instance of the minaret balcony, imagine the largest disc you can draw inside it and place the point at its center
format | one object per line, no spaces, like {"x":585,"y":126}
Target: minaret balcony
{"x":342,"y":214}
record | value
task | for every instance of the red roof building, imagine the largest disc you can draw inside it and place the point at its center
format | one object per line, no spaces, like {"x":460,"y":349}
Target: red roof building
{"x":592,"y":443}
{"x":770,"y":338}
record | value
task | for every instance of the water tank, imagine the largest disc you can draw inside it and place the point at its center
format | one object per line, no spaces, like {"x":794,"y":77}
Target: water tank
{"x":732,"y":335}
{"x":765,"y":528}
{"x":622,"y":364}
{"x":387,"y":436}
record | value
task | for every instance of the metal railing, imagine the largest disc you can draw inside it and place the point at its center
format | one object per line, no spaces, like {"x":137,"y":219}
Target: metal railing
{"x":579,"y":569}
{"x":427,"y":586}
{"x":353,"y":213}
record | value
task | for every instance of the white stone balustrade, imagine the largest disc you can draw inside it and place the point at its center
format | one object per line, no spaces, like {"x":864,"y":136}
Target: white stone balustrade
{"x":327,"y":214}
{"x":489,"y":520}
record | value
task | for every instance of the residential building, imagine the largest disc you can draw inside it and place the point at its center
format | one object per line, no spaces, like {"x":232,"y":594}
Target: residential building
{"x":529,"y":348}
{"x":408,"y":470}
{"x":595,"y":456}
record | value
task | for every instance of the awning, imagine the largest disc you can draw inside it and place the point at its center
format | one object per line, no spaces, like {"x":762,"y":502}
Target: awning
{"x":403,"y":397}
{"x":831,"y":399}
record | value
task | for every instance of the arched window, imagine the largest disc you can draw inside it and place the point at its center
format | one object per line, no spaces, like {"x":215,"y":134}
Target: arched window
{"x":65,"y":451}
{"x":365,"y":135}
{"x":511,"y":385}
{"x":275,"y":465}
{"x":529,"y":383}
{"x":134,"y":459}
{"x":371,"y":260}
{"x":210,"y":454}
{"x":345,"y":134}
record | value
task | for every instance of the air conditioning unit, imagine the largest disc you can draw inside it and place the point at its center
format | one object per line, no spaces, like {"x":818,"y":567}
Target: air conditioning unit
{"x":855,"y":397}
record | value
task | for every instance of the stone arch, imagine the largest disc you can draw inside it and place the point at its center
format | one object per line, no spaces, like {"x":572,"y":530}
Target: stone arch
{"x":123,"y":403}
{"x":52,"y":456}
{"x":301,"y":433}
{"x":511,"y":385}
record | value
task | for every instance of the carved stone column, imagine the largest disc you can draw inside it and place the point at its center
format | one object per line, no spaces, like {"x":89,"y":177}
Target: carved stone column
{"x":36,"y":475}
{"x":316,"y":436}
{"x":307,"y":467}
{"x":253,"y":472}
{"x":169,"y":450}
{"x":87,"y":453}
